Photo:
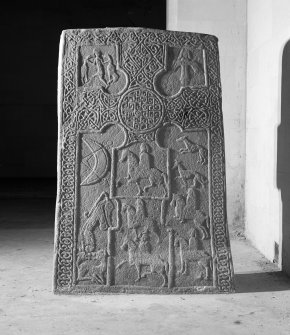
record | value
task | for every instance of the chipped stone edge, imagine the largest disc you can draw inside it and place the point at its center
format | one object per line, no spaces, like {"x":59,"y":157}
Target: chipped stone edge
{"x":59,"y":144}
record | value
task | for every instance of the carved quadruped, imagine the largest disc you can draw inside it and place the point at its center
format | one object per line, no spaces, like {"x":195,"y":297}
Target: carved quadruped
{"x":141,"y":198}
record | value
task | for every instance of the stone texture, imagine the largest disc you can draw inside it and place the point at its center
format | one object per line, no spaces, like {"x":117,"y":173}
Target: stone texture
{"x":141,"y":191}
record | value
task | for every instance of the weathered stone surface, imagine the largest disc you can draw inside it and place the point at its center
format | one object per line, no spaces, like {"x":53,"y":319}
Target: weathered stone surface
{"x":141,"y":191}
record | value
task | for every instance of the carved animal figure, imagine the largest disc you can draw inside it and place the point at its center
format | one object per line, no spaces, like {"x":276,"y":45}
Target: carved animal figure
{"x":201,"y":223}
{"x":184,"y":174}
{"x":139,"y":255}
{"x":156,"y":179}
{"x":190,"y":147}
{"x":92,"y":266}
{"x":187,"y":255}
{"x":135,"y":173}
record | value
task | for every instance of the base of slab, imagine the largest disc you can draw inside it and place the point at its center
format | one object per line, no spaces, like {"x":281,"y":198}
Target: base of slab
{"x":98,"y":289}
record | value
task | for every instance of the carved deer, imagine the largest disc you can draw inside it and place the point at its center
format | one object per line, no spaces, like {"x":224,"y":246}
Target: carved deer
{"x":187,"y":255}
{"x":190,"y":147}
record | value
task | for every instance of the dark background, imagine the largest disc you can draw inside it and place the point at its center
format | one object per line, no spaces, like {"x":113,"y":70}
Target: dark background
{"x":29,"y":58}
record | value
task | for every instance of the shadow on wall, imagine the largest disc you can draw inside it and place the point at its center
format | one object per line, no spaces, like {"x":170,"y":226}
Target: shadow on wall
{"x":283,"y":158}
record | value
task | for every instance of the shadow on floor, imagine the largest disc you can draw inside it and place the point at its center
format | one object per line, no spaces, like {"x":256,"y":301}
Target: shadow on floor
{"x":261,"y":282}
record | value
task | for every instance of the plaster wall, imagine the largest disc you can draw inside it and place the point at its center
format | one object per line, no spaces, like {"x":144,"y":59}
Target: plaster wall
{"x":225,"y":19}
{"x":266,"y":144}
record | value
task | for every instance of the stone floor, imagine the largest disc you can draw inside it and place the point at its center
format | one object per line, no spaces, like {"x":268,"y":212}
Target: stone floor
{"x":27,"y":305}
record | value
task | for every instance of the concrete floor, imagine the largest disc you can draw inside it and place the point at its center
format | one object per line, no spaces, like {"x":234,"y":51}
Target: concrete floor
{"x":27,"y":305}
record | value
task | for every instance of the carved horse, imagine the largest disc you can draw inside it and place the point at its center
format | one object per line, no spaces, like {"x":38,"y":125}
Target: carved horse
{"x":187,"y":255}
{"x":193,"y":148}
{"x":138,"y":258}
{"x":135,"y":173}
{"x":184,"y":174}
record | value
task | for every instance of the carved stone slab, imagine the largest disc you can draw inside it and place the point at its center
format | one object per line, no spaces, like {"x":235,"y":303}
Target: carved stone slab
{"x":141,"y":202}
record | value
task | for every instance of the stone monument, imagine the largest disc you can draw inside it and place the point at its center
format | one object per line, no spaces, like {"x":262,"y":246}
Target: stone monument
{"x":141,"y":205}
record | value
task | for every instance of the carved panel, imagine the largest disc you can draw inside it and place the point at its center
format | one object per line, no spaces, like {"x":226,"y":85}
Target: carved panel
{"x":141,"y":178}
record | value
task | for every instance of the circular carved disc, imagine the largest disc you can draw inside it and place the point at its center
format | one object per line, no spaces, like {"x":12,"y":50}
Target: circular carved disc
{"x":140,"y":110}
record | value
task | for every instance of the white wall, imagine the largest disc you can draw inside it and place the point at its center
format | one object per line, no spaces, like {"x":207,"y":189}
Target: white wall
{"x":268,"y":31}
{"x":225,"y":19}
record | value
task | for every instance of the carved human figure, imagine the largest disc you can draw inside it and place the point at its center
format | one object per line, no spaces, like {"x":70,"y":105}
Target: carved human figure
{"x":187,"y":64}
{"x":194,"y":242}
{"x":178,"y":204}
{"x":183,"y":62}
{"x":112,"y":74}
{"x":132,"y":174}
{"x":144,"y":156}
{"x":155,"y":176}
{"x":202,"y":152}
{"x":191,"y":201}
{"x":140,"y":210}
{"x":99,"y":215}
{"x":99,"y":63}
{"x":136,"y":219}
{"x":130,"y":216}
{"x":85,"y":69}
{"x":191,"y":196}
{"x":144,"y":244}
{"x":135,"y":216}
